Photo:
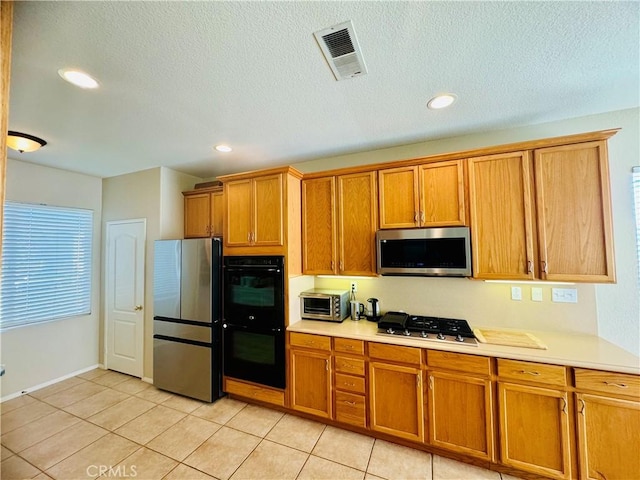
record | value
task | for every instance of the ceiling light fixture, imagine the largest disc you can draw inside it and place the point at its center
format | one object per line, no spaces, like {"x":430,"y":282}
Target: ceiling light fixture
{"x":223,"y":148}
{"x":441,"y":101}
{"x":23,"y":142}
{"x":78,"y":78}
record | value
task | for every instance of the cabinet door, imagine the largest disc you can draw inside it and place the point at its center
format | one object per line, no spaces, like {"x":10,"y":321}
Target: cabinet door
{"x":217,"y":214}
{"x":470,"y":430}
{"x":319,"y":226}
{"x":574,"y":213}
{"x":501,"y":216}
{"x":608,"y":439}
{"x":311,"y":382}
{"x":196,"y":215}
{"x":442,"y":194}
{"x":268,"y":206}
{"x":534,"y":430}
{"x":398,"y":197}
{"x":396,"y":400}
{"x":357,"y":223}
{"x":238,"y":213}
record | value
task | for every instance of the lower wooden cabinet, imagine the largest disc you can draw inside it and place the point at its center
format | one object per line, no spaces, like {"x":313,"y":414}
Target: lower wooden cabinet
{"x":253,"y":391}
{"x":470,"y":429}
{"x":534,"y":429}
{"x":396,"y":400}
{"x":350,"y":382}
{"x":310,"y":376}
{"x":608,"y":425}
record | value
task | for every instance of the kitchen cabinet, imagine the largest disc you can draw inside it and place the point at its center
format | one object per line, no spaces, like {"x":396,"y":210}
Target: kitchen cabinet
{"x":428,"y":195}
{"x":203,"y":213}
{"x":310,"y":374}
{"x":252,"y":391}
{"x":548,"y":218}
{"x":396,"y":400}
{"x":575,"y":233}
{"x":350,"y":382}
{"x":462,"y":384}
{"x":339,"y":222}
{"x":608,"y":413}
{"x":535,"y":418}
{"x":501,"y":204}
{"x":262,"y":214}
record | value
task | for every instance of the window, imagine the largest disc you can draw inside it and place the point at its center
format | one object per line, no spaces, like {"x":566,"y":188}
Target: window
{"x":46,"y":264}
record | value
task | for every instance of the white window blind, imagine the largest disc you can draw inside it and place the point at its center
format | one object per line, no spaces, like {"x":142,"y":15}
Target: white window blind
{"x":46,"y":264}
{"x":636,"y":196}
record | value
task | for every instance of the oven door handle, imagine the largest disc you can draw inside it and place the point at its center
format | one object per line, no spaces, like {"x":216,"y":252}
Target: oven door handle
{"x":252,"y":269}
{"x":245,"y":327}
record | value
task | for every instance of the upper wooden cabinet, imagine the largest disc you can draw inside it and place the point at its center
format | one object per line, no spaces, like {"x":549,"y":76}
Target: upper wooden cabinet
{"x":428,"y":195}
{"x":549,"y":218}
{"x":339,"y":221}
{"x":203,"y":213}
{"x":262,"y":213}
{"x":501,"y":216}
{"x":575,"y":231}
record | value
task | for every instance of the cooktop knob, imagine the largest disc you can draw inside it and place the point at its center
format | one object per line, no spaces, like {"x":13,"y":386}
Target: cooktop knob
{"x":423,"y":334}
{"x":440,"y":336}
{"x":407,"y":333}
{"x":459,"y":338}
{"x":390,"y":331}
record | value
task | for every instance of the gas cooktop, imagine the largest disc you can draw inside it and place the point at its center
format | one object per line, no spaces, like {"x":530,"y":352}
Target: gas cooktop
{"x":448,"y":330}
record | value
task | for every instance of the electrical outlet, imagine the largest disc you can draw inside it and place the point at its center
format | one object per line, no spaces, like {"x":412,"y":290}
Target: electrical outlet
{"x":536,"y":294}
{"x":516,"y":293}
{"x":354,"y":287}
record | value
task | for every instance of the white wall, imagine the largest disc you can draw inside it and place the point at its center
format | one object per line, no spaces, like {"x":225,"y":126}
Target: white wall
{"x":37,"y":354}
{"x":612,"y":311}
{"x":154,"y":194}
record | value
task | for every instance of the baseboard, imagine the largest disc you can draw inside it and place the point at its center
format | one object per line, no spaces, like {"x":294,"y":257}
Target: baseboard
{"x":148,"y":380}
{"x":50,"y":382}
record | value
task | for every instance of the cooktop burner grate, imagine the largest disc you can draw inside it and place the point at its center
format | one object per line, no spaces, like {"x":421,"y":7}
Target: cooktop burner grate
{"x":449,"y":330}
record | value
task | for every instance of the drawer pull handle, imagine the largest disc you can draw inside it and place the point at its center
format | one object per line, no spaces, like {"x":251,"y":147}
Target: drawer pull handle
{"x":564,"y":406}
{"x":430,"y":382}
{"x":619,"y":385}
{"x":582,"y":405}
{"x":353,"y":404}
{"x":326,"y":365}
{"x":349,"y":347}
{"x":349,"y":384}
{"x":527,"y":372}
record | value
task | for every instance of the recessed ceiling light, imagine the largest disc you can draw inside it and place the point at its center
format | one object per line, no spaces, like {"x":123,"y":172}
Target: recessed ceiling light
{"x":223,"y":148}
{"x":441,"y":101}
{"x":78,"y":78}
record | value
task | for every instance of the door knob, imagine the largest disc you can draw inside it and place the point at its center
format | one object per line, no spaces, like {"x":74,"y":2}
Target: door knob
{"x":137,"y":308}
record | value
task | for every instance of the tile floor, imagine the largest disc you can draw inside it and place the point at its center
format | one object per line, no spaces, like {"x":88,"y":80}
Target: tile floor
{"x":109,"y":425}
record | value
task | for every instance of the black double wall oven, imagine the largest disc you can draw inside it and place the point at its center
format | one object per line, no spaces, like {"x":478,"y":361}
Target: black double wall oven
{"x":253,"y":332}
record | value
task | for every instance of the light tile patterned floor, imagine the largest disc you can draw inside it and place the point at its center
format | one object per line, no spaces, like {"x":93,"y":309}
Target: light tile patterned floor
{"x":105,"y":424}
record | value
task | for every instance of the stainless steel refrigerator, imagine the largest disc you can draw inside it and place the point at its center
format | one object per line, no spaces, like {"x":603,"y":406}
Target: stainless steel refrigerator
{"x":187,"y":310}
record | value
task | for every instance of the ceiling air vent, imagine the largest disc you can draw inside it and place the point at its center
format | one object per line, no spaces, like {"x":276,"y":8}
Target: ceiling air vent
{"x":339,"y":45}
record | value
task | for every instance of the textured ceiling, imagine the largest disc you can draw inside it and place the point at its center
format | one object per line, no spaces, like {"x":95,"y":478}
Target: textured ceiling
{"x":179,"y":77}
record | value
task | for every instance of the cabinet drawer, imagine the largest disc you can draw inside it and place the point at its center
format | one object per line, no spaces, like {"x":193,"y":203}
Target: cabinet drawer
{"x":351,"y":409}
{"x":354,"y":366}
{"x":607,"y":382}
{"x":532,"y":372}
{"x":263,"y":394}
{"x":317,"y":342}
{"x":350,"y":383}
{"x":395,"y":353}
{"x":348,"y":345}
{"x":459,"y":361}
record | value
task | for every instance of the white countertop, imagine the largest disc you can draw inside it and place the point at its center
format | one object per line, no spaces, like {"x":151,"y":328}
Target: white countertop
{"x":570,"y":349}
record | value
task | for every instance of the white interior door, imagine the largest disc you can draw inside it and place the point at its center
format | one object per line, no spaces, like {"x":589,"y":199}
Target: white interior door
{"x":124,"y":305}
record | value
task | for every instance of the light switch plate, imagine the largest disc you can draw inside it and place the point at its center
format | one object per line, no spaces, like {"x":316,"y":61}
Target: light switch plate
{"x":564,"y":295}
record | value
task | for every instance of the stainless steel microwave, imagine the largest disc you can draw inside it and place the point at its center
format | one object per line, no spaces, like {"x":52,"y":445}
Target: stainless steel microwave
{"x":443,"y":252}
{"x":324,"y":304}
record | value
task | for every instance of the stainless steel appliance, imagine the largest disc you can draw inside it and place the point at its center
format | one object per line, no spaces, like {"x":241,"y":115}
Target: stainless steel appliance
{"x":372,"y":312}
{"x":425,"y":252}
{"x":187,"y":279}
{"x":436,"y":329}
{"x":324,"y":304}
{"x":253,"y":325}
